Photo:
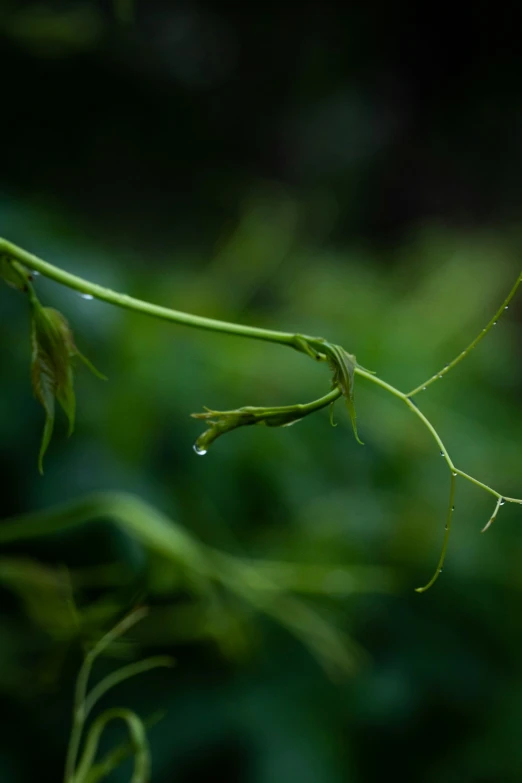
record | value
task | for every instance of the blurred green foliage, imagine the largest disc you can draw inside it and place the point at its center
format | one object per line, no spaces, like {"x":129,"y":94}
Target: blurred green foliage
{"x":155,"y":181}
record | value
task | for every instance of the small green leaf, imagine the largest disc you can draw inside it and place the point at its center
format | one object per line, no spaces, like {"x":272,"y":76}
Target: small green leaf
{"x":343,"y":366}
{"x":53,"y":352}
{"x":67,"y":400}
{"x":46,"y":437}
{"x":353,"y":418}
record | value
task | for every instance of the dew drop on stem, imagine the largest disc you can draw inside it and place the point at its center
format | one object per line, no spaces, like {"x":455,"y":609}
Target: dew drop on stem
{"x":199,"y":451}
{"x":87,"y":296}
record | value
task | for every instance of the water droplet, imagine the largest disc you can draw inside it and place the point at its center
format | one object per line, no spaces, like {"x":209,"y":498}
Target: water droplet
{"x":505,"y":308}
{"x":440,"y":376}
{"x":446,"y":527}
{"x":201,"y":452}
{"x":34,"y":273}
{"x":441,"y":453}
{"x":454,"y":474}
{"x":424,"y":388}
{"x":440,"y":570}
{"x":484,"y":330}
{"x":502,"y":502}
{"x":494,"y":323}
{"x":87,"y":296}
{"x":453,"y":508}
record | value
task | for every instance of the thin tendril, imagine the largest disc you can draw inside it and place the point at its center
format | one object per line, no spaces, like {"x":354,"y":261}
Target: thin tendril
{"x":501,"y":310}
{"x":442,"y":558}
{"x":492,"y":518}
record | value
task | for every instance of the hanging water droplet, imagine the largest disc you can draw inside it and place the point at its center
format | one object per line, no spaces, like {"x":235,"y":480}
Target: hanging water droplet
{"x":441,"y":453}
{"x":87,"y":296}
{"x":440,"y":570}
{"x":424,"y":388}
{"x":440,"y":376}
{"x":502,"y":502}
{"x":454,"y":474}
{"x":494,"y":323}
{"x":453,"y":508}
{"x":505,"y":308}
{"x":33,"y":273}
{"x":201,"y":452}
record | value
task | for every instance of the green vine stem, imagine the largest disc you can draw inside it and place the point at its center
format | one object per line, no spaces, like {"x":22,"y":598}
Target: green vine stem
{"x":344,"y":365}
{"x":493,"y":322}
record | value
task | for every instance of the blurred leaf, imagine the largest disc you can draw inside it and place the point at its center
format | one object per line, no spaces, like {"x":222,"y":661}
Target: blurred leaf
{"x":202,"y":565}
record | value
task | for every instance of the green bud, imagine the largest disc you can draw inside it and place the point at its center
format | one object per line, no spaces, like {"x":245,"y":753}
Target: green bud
{"x":222,"y":422}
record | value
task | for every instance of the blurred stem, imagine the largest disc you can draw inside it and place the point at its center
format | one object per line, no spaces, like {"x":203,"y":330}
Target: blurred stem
{"x":138,"y":737}
{"x":80,"y":695}
{"x":120,"y":675}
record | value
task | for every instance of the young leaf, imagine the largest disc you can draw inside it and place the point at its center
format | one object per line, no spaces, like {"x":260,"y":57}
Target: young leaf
{"x":53,"y":352}
{"x":343,"y":366}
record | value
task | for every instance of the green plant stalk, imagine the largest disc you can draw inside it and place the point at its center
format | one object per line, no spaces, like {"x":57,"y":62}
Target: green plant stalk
{"x":133,"y":669}
{"x":311,"y":346}
{"x":36,"y":264}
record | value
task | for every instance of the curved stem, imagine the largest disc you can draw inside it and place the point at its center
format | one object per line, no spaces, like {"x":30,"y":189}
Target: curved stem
{"x":440,"y":564}
{"x":501,"y":310}
{"x":140,"y":306}
{"x":82,"y":683}
{"x":138,"y":738}
{"x":120,"y":675}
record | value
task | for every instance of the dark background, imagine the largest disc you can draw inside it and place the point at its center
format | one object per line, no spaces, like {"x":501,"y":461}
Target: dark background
{"x":351,"y":170}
